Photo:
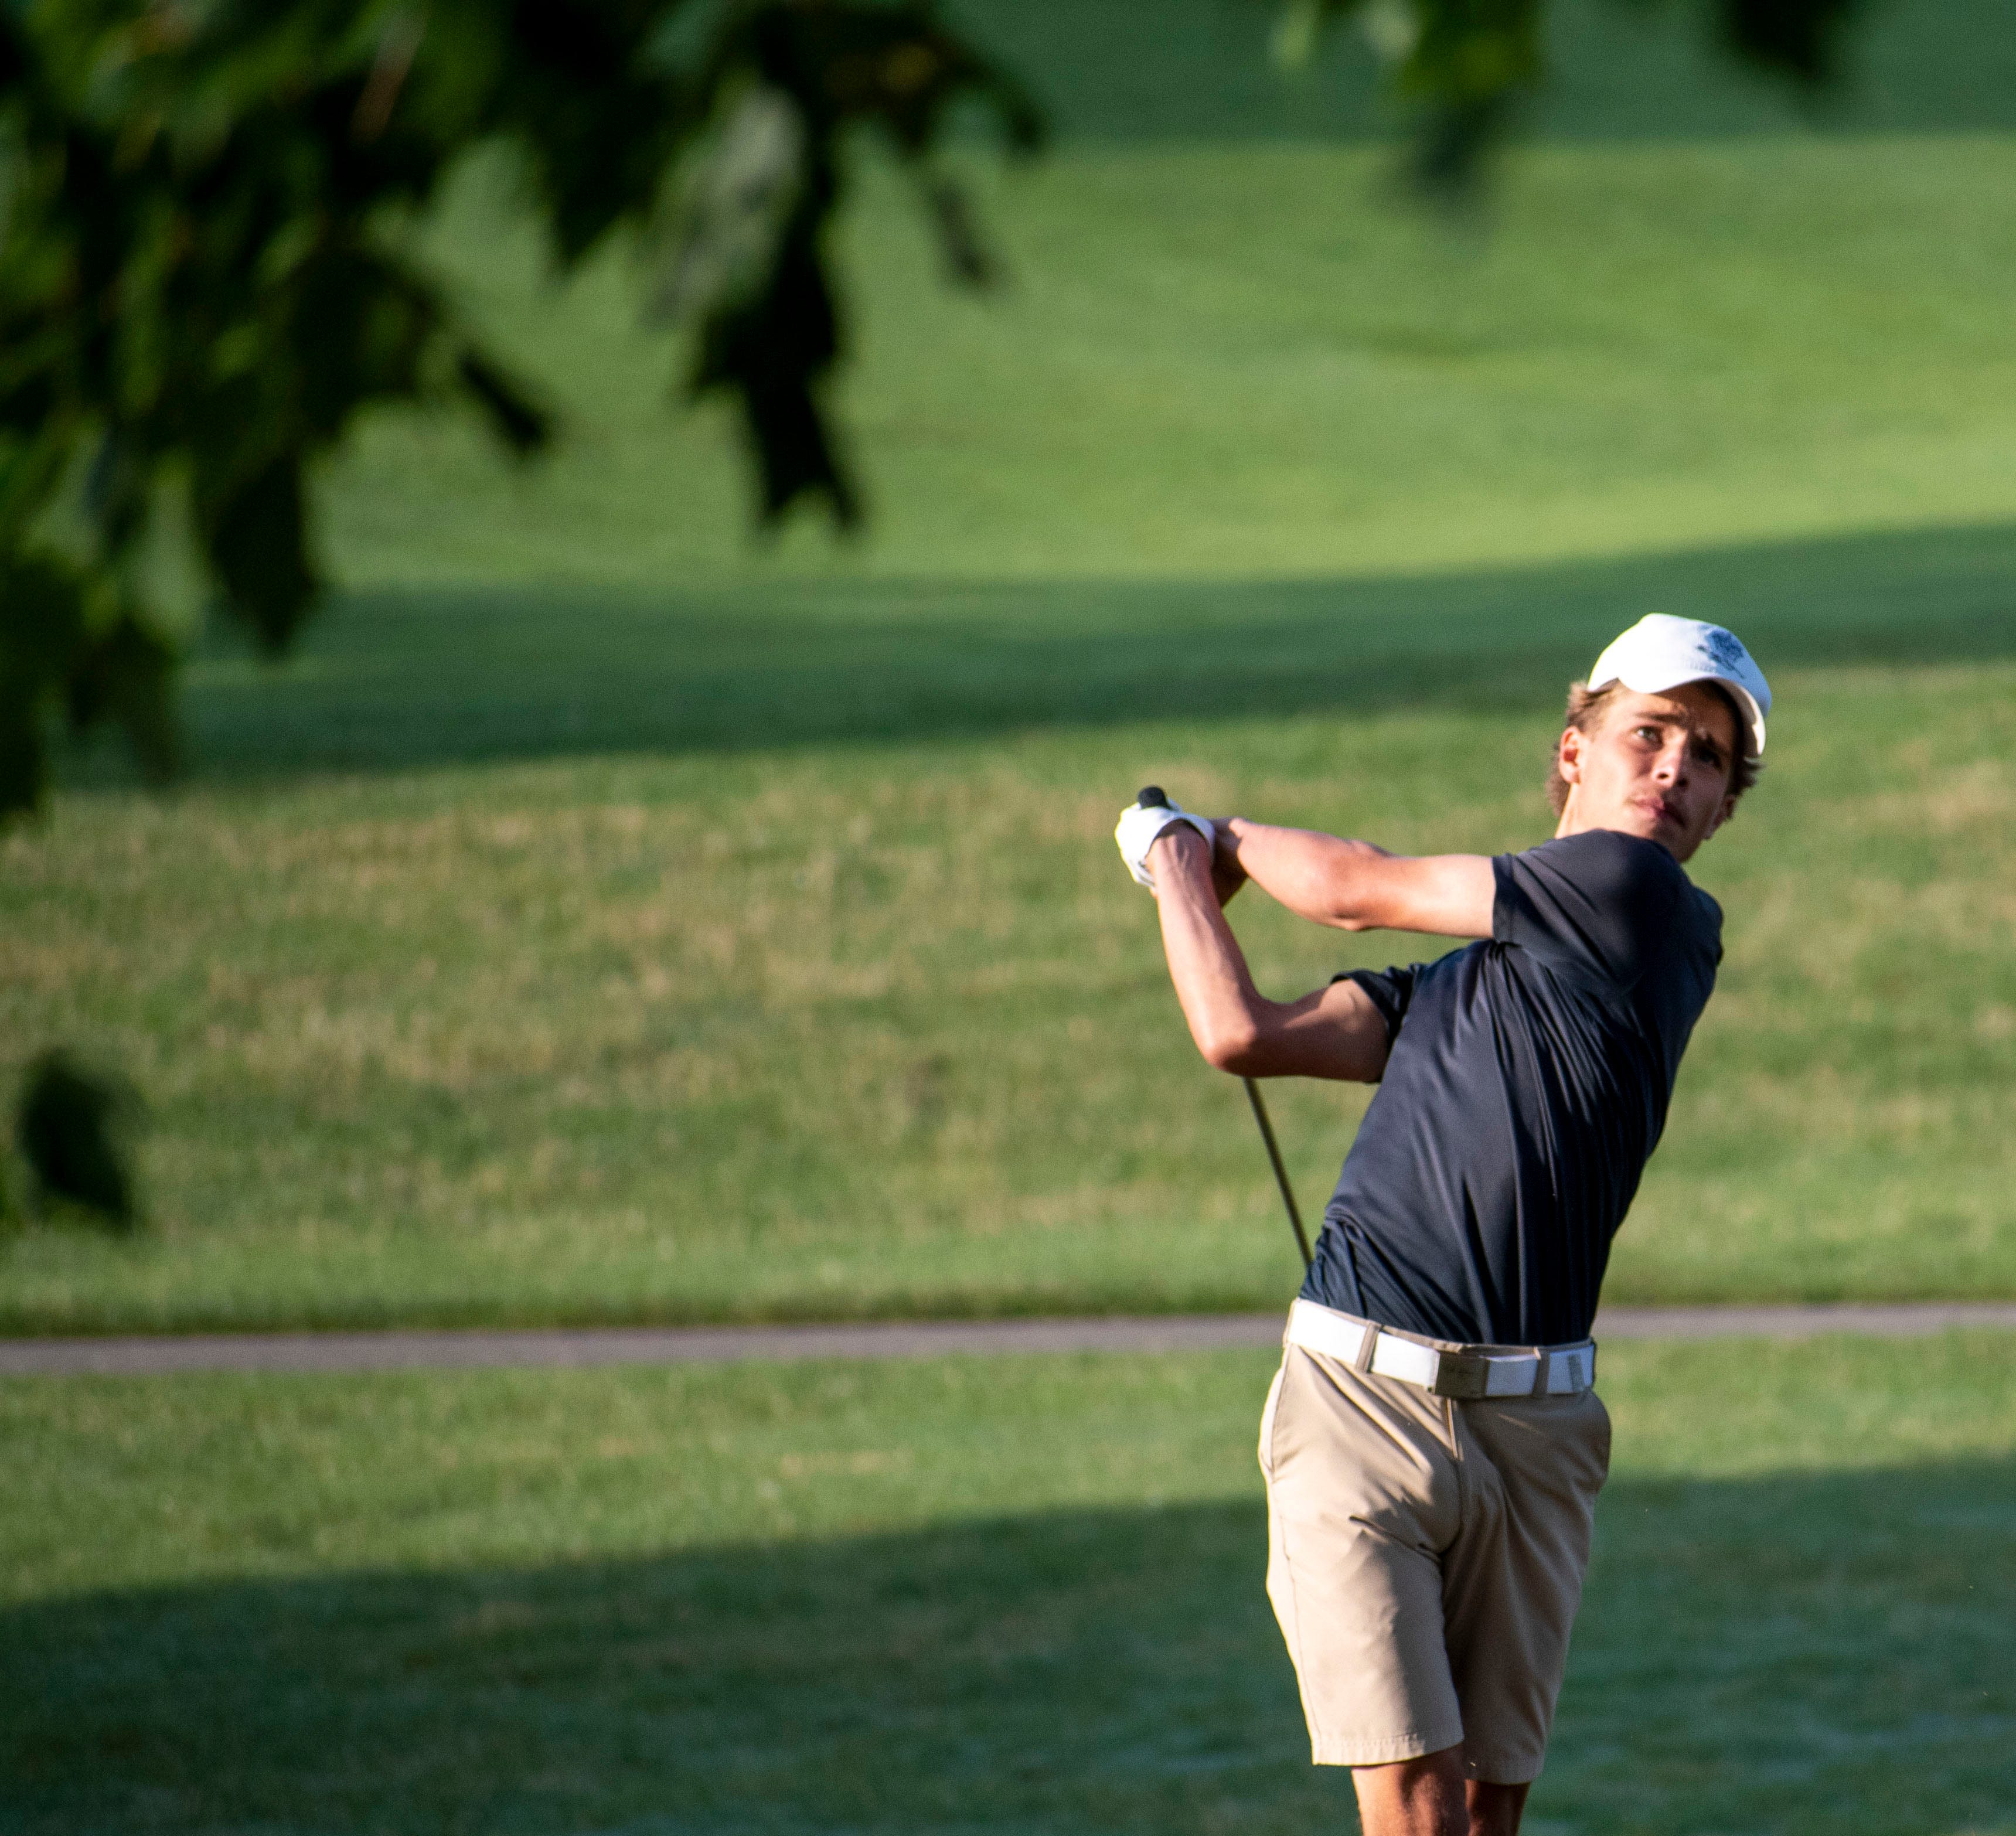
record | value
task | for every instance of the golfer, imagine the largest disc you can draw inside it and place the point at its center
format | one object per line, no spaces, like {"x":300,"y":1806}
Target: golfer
{"x":1432,"y":1445}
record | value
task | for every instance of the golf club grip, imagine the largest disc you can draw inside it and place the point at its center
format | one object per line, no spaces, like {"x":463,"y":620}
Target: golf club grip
{"x":1280,"y":1171}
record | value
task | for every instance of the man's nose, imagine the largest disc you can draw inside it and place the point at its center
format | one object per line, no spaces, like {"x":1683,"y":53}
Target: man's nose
{"x":1673,"y":765}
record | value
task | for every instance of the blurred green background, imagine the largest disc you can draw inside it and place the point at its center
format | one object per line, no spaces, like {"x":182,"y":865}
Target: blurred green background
{"x":607,"y":915}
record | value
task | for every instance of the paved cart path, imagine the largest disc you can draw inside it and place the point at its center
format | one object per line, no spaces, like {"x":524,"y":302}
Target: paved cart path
{"x":479,"y":1349}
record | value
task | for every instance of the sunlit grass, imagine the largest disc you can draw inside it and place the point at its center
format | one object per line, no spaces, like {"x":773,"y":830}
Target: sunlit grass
{"x":1238,"y":361}
{"x":884,"y":1028}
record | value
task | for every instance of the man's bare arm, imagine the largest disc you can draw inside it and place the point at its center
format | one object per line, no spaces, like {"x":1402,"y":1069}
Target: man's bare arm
{"x":1334,"y":1032}
{"x":1355,"y":886}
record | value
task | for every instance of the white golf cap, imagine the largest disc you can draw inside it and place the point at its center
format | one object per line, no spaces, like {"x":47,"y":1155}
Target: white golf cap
{"x":1660,"y":652}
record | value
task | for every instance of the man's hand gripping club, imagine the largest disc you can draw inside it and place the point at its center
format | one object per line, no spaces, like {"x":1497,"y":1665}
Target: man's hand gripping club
{"x":1195,"y":864}
{"x":1144,"y":822}
{"x":1335,"y":1033}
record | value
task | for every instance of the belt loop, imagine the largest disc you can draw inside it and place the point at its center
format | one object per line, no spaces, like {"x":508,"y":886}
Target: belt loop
{"x":1543,"y":1373}
{"x":1362,"y":1362}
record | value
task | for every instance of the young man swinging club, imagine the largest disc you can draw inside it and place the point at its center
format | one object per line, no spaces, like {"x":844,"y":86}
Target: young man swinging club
{"x":1432,"y":1445}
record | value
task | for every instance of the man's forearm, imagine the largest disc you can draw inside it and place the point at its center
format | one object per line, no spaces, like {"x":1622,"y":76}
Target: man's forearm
{"x":1206,"y":964}
{"x":1312,"y":874}
{"x":1335,"y":1032}
{"x":1357,"y":887}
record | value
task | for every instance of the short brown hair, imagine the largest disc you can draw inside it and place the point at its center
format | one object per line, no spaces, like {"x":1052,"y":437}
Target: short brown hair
{"x":1585,"y":707}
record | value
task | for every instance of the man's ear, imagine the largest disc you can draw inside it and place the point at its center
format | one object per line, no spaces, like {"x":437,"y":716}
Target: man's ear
{"x":1567,"y":755}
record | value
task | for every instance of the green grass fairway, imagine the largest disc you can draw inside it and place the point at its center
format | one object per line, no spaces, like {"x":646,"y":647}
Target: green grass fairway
{"x":1014,"y":1595}
{"x":1226,"y":361}
{"x":866,"y":1024}
{"x":603,"y":918}
{"x":1684,"y":318}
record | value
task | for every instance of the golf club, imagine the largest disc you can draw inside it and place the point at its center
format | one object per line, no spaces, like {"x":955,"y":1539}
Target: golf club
{"x":1152,"y":797}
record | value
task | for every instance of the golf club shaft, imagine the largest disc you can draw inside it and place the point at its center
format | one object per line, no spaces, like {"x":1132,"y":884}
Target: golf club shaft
{"x":1280,"y":1171}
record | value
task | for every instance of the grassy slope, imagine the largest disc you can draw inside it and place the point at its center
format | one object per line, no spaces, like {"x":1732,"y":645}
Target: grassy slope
{"x":1237,"y":362}
{"x":1682,"y":321}
{"x":1004,"y":1595}
{"x":882,"y":1029}
{"x":598,"y":921}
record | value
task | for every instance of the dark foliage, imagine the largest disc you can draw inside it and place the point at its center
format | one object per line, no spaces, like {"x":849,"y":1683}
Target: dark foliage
{"x":1466,"y":64}
{"x":68,"y":1130}
{"x":1799,"y":38}
{"x":208,"y":269}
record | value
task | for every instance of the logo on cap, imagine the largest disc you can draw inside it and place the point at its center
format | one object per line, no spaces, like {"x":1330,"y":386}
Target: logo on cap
{"x":1726,"y":648}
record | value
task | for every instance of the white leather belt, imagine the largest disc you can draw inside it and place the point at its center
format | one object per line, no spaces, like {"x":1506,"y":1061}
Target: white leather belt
{"x":1467,"y":1374}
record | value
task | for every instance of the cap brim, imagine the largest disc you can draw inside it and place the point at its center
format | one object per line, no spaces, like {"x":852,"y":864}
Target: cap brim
{"x":1658,"y":682}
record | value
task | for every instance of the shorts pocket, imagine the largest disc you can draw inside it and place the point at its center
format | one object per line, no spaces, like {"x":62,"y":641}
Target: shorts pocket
{"x":1267,"y":1425}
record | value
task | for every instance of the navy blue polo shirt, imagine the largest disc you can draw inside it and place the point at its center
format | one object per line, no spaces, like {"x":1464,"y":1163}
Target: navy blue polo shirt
{"x":1526,"y":1087}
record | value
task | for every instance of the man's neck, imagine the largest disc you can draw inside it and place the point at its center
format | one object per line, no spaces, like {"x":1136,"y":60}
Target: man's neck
{"x":1574,"y":823}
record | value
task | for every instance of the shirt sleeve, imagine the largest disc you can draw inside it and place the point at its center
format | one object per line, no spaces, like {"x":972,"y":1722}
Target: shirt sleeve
{"x":1391,"y":991}
{"x":1599,"y":905}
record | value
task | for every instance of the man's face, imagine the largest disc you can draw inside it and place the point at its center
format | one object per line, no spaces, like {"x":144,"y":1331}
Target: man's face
{"x":1655,"y":766}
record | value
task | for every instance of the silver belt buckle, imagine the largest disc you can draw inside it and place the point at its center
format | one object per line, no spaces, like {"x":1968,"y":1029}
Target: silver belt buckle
{"x":1477,"y":1376}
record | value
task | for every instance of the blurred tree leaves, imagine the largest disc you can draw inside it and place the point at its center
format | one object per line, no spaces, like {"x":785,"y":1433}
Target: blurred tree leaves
{"x":70,"y":1129}
{"x":1465,"y":64}
{"x":745,"y":259}
{"x":208,"y":270}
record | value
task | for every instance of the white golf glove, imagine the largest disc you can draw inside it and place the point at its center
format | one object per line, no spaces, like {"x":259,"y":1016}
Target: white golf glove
{"x":1138,"y":829}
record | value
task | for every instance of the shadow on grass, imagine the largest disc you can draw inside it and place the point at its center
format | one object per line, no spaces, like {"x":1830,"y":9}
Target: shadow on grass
{"x":1789,"y":1653}
{"x":391,"y":681}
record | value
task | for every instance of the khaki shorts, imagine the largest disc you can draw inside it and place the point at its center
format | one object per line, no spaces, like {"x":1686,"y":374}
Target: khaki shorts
{"x":1425,"y":1560}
